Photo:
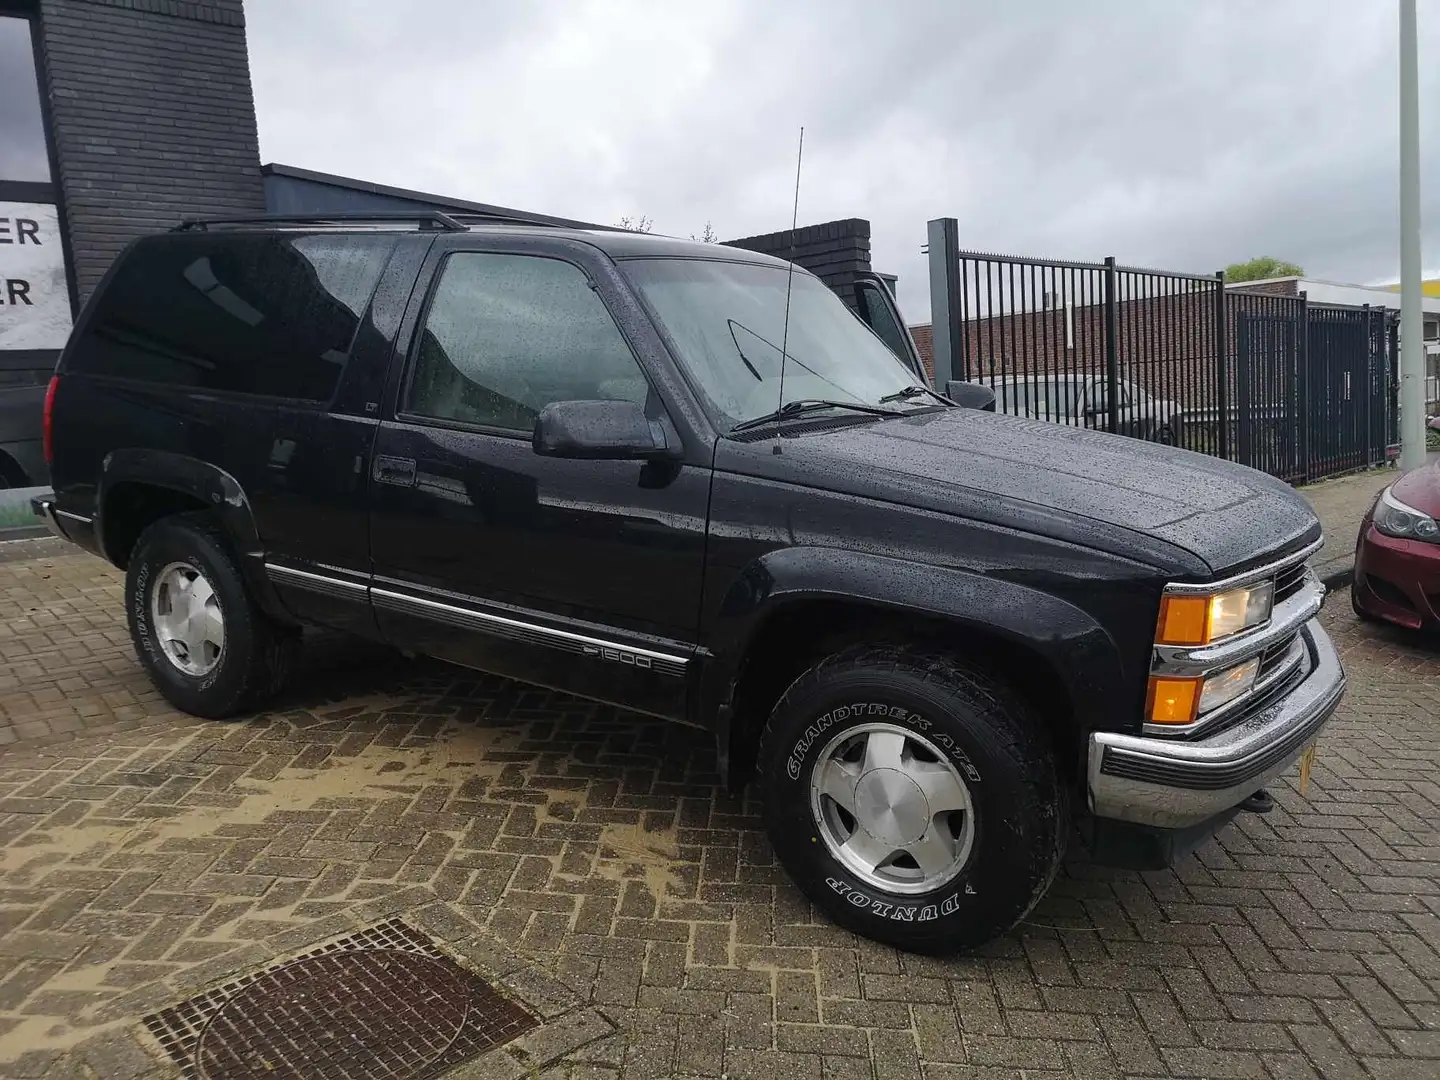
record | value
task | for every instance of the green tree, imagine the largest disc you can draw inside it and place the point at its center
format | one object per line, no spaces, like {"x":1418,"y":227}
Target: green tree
{"x":707,"y":235}
{"x":636,"y":224}
{"x":1261,"y":267}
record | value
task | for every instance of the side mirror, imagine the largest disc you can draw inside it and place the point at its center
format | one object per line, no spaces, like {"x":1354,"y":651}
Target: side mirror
{"x":971,"y":395}
{"x":601,"y":431}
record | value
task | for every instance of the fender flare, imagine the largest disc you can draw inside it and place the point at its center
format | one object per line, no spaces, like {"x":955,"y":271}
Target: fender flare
{"x":207,"y":483}
{"x":1079,"y":650}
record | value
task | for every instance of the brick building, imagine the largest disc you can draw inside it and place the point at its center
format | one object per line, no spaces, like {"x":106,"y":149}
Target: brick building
{"x":117,"y":117}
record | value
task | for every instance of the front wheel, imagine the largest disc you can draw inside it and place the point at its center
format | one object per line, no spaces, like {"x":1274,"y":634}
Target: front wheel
{"x":912,"y":798}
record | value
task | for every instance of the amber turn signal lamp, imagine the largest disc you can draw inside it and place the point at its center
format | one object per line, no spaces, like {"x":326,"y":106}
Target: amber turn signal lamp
{"x":1184,"y":620}
{"x":1172,"y":700}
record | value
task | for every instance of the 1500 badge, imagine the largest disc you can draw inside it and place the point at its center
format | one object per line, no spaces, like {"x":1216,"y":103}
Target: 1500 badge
{"x":618,"y":656}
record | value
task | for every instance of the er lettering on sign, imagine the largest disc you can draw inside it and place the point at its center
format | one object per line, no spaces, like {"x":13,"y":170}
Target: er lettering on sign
{"x":15,"y":291}
{"x":19,"y":230}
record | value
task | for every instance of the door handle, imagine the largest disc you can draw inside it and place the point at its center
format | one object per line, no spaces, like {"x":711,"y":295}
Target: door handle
{"x":394,"y":470}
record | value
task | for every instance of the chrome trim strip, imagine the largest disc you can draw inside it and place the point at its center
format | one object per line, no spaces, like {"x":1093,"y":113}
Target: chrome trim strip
{"x":1294,"y":612}
{"x":1246,"y":578}
{"x":1167,"y":783}
{"x":325,"y":584}
{"x":82,"y":518}
{"x":1294,"y":656}
{"x":531,"y":633}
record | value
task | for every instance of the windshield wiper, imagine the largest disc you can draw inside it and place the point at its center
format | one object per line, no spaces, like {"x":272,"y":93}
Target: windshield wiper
{"x":793,"y":409}
{"x":912,"y":391}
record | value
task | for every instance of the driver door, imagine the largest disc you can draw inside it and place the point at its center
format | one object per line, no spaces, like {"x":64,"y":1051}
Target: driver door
{"x":580,"y":575}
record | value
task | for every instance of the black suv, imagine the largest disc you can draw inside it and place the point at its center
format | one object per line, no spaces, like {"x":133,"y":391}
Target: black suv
{"x":931,"y":633}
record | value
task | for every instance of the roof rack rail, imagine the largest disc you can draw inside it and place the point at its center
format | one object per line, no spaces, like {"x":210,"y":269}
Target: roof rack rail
{"x":505,"y":219}
{"x":425,"y":219}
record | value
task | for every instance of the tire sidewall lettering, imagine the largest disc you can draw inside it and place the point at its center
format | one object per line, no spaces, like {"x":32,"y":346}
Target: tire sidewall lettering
{"x":897,"y":911}
{"x":876,"y":710}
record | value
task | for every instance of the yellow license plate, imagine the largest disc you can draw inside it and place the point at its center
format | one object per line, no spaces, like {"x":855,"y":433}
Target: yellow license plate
{"x":1307,"y":760}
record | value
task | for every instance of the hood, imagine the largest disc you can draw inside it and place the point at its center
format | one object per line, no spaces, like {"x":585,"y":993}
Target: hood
{"x":1225,"y":514}
{"x":1420,"y":488}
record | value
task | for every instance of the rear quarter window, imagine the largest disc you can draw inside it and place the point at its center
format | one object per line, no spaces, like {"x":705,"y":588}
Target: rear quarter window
{"x":271,"y":314}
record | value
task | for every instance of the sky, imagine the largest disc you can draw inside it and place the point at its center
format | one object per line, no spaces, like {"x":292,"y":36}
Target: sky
{"x":1181,"y":136}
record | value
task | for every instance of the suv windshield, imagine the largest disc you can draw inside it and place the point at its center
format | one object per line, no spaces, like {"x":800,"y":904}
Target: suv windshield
{"x":728,"y":319}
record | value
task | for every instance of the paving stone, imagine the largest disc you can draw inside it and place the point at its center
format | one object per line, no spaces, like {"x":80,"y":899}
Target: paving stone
{"x":585,"y":856}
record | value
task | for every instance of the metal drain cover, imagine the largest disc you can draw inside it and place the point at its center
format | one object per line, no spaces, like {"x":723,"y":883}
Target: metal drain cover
{"x":383,"y":1004}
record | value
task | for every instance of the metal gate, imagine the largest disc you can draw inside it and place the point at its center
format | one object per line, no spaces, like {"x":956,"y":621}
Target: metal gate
{"x":1298,"y":390}
{"x":1268,"y":388}
{"x":1347,"y":377}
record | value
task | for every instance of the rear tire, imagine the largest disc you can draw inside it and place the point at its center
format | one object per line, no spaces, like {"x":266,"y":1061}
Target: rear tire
{"x":201,"y":638}
{"x":892,"y":731}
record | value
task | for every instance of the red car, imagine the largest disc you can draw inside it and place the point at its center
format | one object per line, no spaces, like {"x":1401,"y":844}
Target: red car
{"x":1397,"y":557}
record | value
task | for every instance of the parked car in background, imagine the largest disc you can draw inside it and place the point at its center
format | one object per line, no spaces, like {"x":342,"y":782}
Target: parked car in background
{"x":22,"y":399}
{"x":1397,"y":555}
{"x":1083,"y":401}
{"x":931,"y":634}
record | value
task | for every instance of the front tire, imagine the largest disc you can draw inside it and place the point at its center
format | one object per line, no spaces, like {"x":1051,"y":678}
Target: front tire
{"x":913,"y":799}
{"x":200,"y":637}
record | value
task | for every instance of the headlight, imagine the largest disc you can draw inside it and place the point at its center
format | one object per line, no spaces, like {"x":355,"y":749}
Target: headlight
{"x":1393,"y":518}
{"x":1182,"y":700}
{"x":1201,"y":619}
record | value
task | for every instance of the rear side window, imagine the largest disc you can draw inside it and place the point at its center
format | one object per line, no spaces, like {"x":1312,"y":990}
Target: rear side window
{"x":272,"y":314}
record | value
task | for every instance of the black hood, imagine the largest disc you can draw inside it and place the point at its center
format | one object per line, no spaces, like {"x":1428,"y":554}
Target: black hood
{"x":1225,"y":514}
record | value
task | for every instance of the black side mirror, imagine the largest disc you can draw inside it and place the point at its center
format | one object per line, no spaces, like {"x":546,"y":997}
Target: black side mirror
{"x":971,"y":395}
{"x":601,"y":431}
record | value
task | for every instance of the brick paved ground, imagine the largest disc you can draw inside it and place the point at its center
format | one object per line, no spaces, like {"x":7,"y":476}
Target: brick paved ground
{"x":588,"y":858}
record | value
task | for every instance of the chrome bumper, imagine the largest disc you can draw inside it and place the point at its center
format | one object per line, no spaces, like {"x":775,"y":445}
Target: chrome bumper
{"x":44,"y":508}
{"x":1173,"y":784}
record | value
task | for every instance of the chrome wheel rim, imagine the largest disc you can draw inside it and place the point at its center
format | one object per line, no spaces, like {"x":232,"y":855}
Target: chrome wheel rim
{"x":187,"y":619}
{"x":892,"y":808}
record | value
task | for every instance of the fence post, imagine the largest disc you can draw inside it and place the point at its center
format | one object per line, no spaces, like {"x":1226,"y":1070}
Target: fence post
{"x":1369,"y":386}
{"x":946,"y":321}
{"x":1222,"y":364}
{"x":1112,"y":356}
{"x":1302,"y":352}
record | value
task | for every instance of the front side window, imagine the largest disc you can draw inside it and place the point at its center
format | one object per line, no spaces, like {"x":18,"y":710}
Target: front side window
{"x":508,"y":334}
{"x":728,"y":322}
{"x":881,"y":319}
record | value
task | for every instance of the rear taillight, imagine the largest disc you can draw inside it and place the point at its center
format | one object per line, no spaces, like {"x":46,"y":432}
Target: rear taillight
{"x":47,"y":435}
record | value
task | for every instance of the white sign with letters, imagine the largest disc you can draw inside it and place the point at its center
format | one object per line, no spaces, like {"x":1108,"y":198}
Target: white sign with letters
{"x":34,"y":298}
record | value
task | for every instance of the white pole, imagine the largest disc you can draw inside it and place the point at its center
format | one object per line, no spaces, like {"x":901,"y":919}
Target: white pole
{"x":1412,"y":347}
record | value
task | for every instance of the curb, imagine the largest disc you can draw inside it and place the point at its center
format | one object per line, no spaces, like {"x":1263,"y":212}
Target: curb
{"x":1339,"y":578}
{"x":24,"y":532}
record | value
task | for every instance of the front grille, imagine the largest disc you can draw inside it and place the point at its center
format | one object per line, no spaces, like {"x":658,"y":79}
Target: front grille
{"x":1274,"y":656}
{"x":1288,"y":582}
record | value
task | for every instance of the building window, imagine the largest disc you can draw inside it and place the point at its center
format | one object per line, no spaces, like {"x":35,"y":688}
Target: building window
{"x":23,"y":155}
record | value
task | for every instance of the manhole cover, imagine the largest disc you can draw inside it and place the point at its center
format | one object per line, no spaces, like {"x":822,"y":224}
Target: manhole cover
{"x":383,"y":1004}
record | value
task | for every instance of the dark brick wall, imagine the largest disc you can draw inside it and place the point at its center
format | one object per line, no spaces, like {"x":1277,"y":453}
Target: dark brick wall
{"x":153,"y":119}
{"x":834,"y":251}
{"x":1281,"y":287}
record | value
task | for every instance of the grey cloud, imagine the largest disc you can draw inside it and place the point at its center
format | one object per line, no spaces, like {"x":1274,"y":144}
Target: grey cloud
{"x":1182,"y":136}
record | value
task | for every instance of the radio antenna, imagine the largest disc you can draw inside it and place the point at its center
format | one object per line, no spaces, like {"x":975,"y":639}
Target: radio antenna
{"x":789,"y":280}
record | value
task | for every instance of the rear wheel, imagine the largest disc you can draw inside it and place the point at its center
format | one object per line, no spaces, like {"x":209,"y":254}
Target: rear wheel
{"x":912,"y":798}
{"x":204,"y":643}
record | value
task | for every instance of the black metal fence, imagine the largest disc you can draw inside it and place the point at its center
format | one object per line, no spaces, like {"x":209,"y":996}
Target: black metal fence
{"x":1299,"y":390}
